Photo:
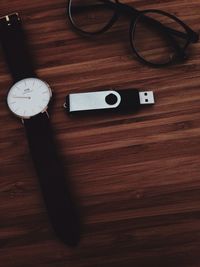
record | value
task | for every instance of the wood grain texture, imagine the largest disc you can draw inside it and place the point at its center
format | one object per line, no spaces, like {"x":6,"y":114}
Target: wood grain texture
{"x":136,"y":177}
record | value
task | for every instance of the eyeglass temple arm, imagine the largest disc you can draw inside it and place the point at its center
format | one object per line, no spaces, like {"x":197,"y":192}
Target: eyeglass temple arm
{"x":190,"y":35}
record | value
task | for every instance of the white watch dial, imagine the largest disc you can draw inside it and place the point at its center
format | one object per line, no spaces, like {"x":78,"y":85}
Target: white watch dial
{"x":29,"y":97}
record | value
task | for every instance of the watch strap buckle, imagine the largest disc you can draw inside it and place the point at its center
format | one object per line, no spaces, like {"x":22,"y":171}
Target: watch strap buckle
{"x":9,"y":19}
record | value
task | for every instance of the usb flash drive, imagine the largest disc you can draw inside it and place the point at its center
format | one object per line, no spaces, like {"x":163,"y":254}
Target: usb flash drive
{"x":128,"y":100}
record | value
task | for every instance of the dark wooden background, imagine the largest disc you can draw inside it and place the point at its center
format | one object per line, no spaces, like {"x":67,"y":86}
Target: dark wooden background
{"x":136,"y":177}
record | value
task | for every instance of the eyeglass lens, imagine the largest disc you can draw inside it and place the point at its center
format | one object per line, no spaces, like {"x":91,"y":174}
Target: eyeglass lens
{"x":154,"y":43}
{"x":91,"y":16}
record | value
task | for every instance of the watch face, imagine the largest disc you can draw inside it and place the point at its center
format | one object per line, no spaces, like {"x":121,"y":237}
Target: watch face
{"x":29,"y":97}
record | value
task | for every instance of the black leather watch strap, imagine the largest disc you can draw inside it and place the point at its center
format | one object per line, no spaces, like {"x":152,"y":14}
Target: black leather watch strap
{"x":60,"y":207}
{"x":14,"y":44}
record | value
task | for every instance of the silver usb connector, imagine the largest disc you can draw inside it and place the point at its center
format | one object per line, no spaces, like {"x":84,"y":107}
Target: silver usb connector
{"x":147,"y":98}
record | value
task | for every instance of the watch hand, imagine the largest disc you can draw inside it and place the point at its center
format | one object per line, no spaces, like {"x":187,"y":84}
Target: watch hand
{"x":25,"y":97}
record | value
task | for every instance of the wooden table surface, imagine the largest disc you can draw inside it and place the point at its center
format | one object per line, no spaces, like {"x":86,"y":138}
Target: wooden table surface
{"x":136,"y":177}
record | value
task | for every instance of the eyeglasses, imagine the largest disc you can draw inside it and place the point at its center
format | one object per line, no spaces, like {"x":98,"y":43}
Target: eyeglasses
{"x":156,"y":37}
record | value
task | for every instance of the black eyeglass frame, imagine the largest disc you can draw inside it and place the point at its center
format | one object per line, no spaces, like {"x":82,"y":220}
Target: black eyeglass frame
{"x":119,"y":9}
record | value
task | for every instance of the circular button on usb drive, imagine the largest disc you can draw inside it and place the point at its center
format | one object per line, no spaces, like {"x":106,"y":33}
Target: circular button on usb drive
{"x":111,"y":99}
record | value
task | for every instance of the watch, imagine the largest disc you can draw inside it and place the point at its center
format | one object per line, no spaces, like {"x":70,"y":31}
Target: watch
{"x":28,"y":99}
